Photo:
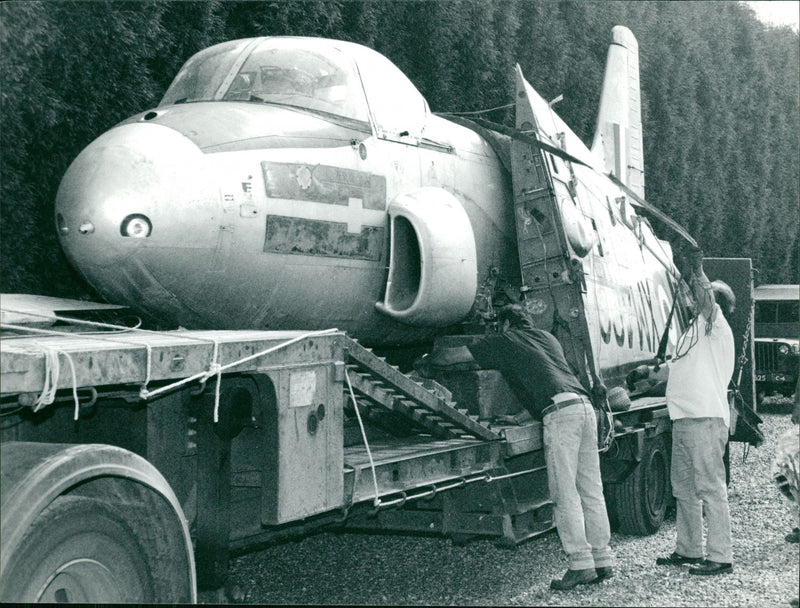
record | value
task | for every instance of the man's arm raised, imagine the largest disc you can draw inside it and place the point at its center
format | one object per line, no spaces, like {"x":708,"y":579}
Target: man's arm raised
{"x":700,"y":285}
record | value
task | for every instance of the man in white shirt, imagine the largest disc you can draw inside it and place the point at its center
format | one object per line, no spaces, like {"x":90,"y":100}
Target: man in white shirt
{"x":697,"y":401}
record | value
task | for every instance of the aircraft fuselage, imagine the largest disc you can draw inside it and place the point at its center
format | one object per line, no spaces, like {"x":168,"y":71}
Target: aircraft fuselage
{"x":302,"y":183}
{"x":267,"y":216}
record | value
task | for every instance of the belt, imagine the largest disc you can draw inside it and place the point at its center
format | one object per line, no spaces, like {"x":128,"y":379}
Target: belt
{"x":554,"y":407}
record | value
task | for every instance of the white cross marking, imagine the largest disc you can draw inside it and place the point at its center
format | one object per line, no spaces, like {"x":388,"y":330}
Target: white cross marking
{"x":354,"y":208}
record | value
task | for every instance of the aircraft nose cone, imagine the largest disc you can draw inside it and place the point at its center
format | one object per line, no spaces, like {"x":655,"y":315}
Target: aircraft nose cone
{"x":132,"y":190}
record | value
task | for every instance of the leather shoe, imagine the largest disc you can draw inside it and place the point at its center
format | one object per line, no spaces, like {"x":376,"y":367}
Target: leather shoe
{"x":573,"y":578}
{"x":676,"y":559}
{"x":709,"y":567}
{"x":603,"y":572}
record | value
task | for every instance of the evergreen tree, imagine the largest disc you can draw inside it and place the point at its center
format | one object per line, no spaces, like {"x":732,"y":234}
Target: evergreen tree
{"x":720,"y":97}
{"x":70,"y":70}
{"x":188,"y":27}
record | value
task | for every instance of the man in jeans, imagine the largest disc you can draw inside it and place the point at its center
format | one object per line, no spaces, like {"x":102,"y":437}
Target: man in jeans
{"x":533,"y":363}
{"x":697,"y":401}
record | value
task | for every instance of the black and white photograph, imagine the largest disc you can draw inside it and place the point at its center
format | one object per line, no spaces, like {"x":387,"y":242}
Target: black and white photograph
{"x":400,"y":302}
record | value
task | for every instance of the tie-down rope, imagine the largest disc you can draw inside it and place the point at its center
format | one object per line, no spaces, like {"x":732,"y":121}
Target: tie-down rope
{"x":53,"y":368}
{"x":377,"y":501}
{"x":52,"y":371}
{"x":215,"y":369}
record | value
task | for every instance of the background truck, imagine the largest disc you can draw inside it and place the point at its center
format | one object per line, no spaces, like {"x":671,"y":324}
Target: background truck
{"x":777,"y":339}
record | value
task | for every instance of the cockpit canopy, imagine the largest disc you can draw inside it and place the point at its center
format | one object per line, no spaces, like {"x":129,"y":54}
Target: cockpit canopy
{"x":339,"y":80}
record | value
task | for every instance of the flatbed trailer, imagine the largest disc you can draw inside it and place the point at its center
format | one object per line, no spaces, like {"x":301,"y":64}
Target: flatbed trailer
{"x":184,"y":445}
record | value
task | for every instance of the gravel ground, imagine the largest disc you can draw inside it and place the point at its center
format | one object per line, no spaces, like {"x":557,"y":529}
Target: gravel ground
{"x":353,"y":569}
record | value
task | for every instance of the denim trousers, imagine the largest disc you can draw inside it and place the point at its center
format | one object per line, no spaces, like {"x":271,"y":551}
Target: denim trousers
{"x":576,"y":489}
{"x":698,"y":484}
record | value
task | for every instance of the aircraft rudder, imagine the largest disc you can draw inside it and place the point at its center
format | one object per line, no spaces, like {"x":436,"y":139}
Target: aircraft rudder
{"x":618,"y":136}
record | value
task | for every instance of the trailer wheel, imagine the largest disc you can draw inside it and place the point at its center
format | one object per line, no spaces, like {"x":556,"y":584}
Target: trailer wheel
{"x":90,"y":523}
{"x":79,"y":551}
{"x":641,"y":500}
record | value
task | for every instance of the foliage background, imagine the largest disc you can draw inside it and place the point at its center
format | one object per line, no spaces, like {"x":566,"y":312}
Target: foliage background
{"x":720,"y":96}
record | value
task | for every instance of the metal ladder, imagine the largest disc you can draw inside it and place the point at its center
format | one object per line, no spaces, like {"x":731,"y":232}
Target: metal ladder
{"x":380,"y":383}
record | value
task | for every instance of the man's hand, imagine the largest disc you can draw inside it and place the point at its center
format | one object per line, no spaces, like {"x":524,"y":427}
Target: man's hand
{"x":689,"y":260}
{"x":647,"y":372}
{"x":699,"y":285}
{"x":515,"y":419}
{"x":444,"y":357}
{"x":640,"y":373}
{"x":694,"y":258}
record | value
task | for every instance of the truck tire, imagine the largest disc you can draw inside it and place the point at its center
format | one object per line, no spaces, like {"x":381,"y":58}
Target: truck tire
{"x":79,"y":550}
{"x":90,"y":523}
{"x":640,"y":501}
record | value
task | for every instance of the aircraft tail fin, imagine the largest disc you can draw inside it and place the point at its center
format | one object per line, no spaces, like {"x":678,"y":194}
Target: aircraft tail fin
{"x":618,"y":137}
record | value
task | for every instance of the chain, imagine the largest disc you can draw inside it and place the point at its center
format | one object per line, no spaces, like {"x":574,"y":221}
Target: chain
{"x":741,"y":361}
{"x":746,"y":337}
{"x":745,"y":343}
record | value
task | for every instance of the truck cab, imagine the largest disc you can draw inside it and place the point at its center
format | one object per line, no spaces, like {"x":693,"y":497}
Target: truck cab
{"x":777,"y":339}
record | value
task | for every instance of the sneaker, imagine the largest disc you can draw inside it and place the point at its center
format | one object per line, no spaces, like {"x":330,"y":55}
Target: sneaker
{"x":793,"y":536}
{"x":573,"y":578}
{"x":676,"y":559}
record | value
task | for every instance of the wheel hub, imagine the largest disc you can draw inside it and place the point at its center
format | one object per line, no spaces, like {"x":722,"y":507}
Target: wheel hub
{"x":80,"y":580}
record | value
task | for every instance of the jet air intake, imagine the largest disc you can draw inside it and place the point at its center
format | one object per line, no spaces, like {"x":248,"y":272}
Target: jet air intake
{"x":433,"y":269}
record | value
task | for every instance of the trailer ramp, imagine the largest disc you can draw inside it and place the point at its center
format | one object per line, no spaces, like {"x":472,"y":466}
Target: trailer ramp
{"x":378,"y":382}
{"x":459,"y":476}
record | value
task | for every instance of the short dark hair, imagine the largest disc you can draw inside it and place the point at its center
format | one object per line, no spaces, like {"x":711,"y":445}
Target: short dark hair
{"x":516,"y":316}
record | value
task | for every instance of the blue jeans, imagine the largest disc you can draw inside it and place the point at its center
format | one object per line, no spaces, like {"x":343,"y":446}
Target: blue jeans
{"x":576,"y":489}
{"x":698,"y":483}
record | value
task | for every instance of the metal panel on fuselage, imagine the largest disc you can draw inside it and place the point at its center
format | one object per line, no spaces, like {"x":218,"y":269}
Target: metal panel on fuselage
{"x":628,"y":292}
{"x":308,"y":275}
{"x":223,"y":292}
{"x":474,"y":175}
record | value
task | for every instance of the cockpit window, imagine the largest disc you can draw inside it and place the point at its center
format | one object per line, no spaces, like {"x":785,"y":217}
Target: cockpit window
{"x":285,"y":71}
{"x":399,"y":109}
{"x":201,"y":76}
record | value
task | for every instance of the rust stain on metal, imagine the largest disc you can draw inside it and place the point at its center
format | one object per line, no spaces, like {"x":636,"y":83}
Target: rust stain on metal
{"x":315,"y":237}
